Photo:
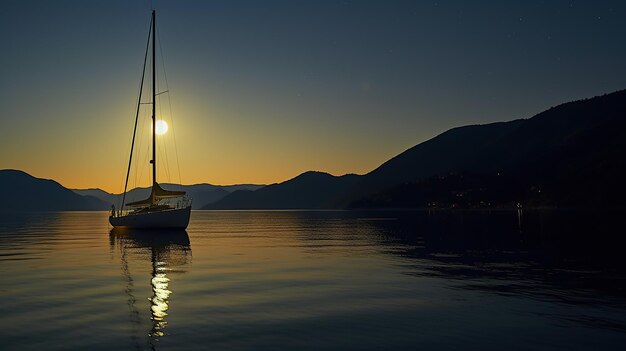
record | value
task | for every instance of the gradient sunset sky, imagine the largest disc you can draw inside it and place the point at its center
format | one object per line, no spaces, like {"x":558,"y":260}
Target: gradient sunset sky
{"x":264,"y":90}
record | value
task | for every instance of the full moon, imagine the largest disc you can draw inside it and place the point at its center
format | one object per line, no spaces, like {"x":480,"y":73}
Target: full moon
{"x":161,"y":127}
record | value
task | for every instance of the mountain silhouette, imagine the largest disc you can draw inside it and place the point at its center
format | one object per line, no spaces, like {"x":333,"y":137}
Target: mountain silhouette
{"x":570,"y":155}
{"x":27,"y":193}
{"x":308,"y":190}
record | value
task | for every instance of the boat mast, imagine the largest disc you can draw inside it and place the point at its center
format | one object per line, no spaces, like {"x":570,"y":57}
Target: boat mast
{"x":154,"y":179}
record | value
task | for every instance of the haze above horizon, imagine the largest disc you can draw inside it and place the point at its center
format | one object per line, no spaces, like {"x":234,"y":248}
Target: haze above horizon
{"x":262,"y":92}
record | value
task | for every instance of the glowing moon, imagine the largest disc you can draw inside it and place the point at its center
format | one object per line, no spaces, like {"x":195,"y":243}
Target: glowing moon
{"x":161,"y":127}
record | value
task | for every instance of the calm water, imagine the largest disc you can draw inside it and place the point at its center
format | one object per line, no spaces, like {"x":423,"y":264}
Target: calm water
{"x":311,"y":280}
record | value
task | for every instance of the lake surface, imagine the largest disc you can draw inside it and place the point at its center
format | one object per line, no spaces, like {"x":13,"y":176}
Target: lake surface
{"x":292,"y":280}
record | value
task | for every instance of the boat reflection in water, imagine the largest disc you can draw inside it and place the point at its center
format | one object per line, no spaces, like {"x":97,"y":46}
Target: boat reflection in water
{"x":169,"y":252}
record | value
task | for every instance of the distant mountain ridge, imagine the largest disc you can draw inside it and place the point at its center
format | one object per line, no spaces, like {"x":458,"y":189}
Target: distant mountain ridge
{"x":573,"y":153}
{"x":27,"y":193}
{"x":569,"y":155}
{"x":308,"y":190}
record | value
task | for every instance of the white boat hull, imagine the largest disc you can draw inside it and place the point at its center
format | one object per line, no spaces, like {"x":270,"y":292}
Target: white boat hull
{"x":167,"y":219}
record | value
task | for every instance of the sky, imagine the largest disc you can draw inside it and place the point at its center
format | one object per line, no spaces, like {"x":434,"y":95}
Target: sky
{"x":261,"y":91}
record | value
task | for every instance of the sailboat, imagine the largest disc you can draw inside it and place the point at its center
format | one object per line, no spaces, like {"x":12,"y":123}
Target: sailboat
{"x":153,"y":212}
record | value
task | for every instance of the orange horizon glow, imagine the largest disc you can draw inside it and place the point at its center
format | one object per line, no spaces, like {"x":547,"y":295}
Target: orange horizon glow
{"x":217,"y":147}
{"x":82,"y":183}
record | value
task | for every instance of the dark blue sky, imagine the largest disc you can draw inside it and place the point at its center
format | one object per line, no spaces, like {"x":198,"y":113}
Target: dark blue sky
{"x":265,"y":90}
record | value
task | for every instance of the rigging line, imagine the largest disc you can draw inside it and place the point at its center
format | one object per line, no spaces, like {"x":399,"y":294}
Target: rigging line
{"x":142,"y":169}
{"x":169,"y":100}
{"x":175,"y":144}
{"x":163,"y":147}
{"x":132,"y":145}
{"x":138,"y":167}
{"x":138,"y":157}
{"x":119,"y":197}
{"x":117,"y":200}
{"x":180,"y":178}
{"x":164,"y":167}
{"x":138,"y":153}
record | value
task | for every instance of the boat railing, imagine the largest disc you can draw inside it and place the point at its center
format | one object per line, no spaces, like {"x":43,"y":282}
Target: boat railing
{"x":183,"y":202}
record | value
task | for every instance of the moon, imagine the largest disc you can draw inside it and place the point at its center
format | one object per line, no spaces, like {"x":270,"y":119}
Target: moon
{"x":161,"y":127}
